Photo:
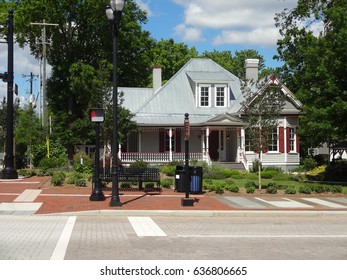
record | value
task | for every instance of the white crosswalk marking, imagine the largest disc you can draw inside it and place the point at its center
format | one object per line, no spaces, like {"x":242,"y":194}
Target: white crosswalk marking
{"x":285,"y":203}
{"x":145,"y":226}
{"x":28,"y":196}
{"x":324,"y":202}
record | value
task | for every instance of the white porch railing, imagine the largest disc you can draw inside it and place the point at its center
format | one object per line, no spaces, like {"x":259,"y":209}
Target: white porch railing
{"x":242,"y":158}
{"x":159,"y":157}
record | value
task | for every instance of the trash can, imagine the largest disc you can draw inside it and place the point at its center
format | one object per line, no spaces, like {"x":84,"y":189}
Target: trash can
{"x":195,"y":179}
{"x":195,"y":184}
{"x":179,"y":178}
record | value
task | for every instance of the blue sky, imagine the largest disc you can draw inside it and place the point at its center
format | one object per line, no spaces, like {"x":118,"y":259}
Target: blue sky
{"x":207,"y":25}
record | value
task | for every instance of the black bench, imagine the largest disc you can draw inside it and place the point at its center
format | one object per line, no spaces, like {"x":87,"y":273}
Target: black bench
{"x":133,"y":175}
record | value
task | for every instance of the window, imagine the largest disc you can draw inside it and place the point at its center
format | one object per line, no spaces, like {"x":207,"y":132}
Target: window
{"x":167,"y":142}
{"x":248,"y":141}
{"x":273,"y":136}
{"x":204,"y":96}
{"x":220,"y":96}
{"x":292,"y":139}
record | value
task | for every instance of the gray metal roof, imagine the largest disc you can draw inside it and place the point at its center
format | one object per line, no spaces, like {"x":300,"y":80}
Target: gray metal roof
{"x":168,"y":105}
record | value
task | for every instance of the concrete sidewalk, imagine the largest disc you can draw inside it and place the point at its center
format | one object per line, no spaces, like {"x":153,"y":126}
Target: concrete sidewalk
{"x":34,"y":196}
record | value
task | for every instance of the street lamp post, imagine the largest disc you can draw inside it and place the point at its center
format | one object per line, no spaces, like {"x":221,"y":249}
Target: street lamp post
{"x":9,"y":171}
{"x":113,"y":13}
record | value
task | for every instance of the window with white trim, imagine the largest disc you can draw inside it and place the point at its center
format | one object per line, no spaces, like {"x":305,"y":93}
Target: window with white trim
{"x":248,"y":141}
{"x":205,"y":95}
{"x":292,"y":139}
{"x":220,"y":96}
{"x":273,"y":141}
{"x":167,"y":142}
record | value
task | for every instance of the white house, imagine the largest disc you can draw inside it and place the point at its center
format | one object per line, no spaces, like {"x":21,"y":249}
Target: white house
{"x":213,"y":99}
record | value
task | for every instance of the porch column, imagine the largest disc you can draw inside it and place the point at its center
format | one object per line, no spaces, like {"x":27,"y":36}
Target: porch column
{"x":285,"y":140}
{"x":140,"y":141}
{"x":207,"y":145}
{"x":202,"y":132}
{"x":170,"y":144}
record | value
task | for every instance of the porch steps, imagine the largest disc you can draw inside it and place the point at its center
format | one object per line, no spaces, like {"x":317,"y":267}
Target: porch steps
{"x":232,"y":165}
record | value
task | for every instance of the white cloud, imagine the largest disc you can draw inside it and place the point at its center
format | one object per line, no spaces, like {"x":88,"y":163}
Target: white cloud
{"x":234,"y":21}
{"x":145,"y":6}
{"x":190,"y":34}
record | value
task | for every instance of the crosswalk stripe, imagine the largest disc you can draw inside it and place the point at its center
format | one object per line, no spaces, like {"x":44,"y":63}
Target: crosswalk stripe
{"x":28,"y":196}
{"x":324,"y":202}
{"x":145,"y":226}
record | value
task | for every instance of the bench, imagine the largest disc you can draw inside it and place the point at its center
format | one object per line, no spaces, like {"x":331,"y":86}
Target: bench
{"x":133,"y":175}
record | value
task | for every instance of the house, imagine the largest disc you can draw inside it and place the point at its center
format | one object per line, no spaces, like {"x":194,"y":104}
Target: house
{"x":213,"y":99}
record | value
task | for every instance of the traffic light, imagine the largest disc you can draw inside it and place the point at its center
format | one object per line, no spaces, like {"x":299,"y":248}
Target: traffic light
{"x":3,"y":76}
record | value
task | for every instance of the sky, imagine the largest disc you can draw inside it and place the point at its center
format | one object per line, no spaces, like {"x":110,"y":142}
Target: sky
{"x":231,"y":25}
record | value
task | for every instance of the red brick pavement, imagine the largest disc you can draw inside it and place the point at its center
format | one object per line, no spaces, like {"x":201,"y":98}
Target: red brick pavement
{"x":74,"y":199}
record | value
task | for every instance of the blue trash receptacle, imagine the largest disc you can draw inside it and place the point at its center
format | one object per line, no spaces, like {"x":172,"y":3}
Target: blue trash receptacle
{"x":195,"y":179}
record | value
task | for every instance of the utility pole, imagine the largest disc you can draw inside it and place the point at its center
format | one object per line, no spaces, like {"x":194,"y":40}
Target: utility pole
{"x":44,"y":56}
{"x":31,"y":78}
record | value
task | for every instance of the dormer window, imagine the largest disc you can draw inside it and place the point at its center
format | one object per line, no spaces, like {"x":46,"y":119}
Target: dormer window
{"x":220,"y":96}
{"x":205,"y":95}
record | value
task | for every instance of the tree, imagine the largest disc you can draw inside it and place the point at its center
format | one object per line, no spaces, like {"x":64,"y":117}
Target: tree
{"x":314,"y":36}
{"x":263,"y":104}
{"x":171,"y":57}
{"x":28,"y":132}
{"x":236,"y":63}
{"x":81,"y":56}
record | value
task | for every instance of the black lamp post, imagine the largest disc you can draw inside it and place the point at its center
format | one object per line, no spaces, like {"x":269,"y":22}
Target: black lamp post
{"x":114,"y":13}
{"x":9,"y":171}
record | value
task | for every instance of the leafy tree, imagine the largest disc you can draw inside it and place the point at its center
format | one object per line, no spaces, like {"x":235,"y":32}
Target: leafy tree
{"x":81,"y":57}
{"x":313,"y":45}
{"x":171,"y":57}
{"x":263,"y":104}
{"x":28,"y":132}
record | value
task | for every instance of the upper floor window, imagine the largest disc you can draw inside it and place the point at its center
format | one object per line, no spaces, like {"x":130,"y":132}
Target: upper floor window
{"x":204,"y":96}
{"x":220,"y":96}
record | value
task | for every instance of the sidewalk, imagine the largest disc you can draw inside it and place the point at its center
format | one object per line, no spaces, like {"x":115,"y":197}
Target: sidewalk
{"x":34,"y":196}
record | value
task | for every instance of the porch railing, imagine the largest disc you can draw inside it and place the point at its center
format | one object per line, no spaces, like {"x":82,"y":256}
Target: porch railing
{"x":243,"y":158}
{"x":159,"y":157}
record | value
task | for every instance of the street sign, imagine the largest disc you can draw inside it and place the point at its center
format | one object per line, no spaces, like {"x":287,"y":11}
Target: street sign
{"x":97,"y":115}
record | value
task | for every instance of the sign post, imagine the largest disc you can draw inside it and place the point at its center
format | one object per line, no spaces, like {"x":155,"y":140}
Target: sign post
{"x":97,"y":116}
{"x":186,"y":201}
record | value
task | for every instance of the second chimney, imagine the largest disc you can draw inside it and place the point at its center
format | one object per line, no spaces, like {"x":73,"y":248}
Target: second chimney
{"x":157,"y":80}
{"x":252,"y":69}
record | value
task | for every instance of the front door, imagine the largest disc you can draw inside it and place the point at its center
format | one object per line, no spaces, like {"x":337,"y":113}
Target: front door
{"x":214,"y":145}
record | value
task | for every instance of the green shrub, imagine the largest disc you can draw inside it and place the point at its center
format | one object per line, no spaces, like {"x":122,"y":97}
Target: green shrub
{"x":268,"y":174}
{"x":82,"y":163}
{"x":125,"y":185}
{"x":219,"y":189}
{"x":74,"y":177}
{"x":305,"y":189}
{"x":217,"y":175}
{"x":168,"y":170}
{"x":58,"y":178}
{"x":166,"y":183}
{"x":47,"y":163}
{"x":336,"y":189}
{"x":81,"y":183}
{"x":250,"y":184}
{"x":290,"y":190}
{"x":149,"y":185}
{"x":309,"y":163}
{"x":234,"y":189}
{"x":250,"y":189}
{"x":139,"y":164}
{"x":319,"y":188}
{"x":271,"y":190}
{"x":255,"y":166}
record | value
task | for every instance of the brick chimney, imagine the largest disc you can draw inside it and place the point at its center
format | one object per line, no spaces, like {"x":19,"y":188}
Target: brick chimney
{"x":252,"y":69}
{"x":157,"y":79}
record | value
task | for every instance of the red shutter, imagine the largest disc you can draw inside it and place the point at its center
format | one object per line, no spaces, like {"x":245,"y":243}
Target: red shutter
{"x":161,"y":140}
{"x":178,"y":140}
{"x":297,"y":143}
{"x":281,"y":139}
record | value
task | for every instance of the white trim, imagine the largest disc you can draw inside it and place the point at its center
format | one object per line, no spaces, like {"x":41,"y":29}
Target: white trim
{"x":209,"y":95}
{"x":225,"y":101}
